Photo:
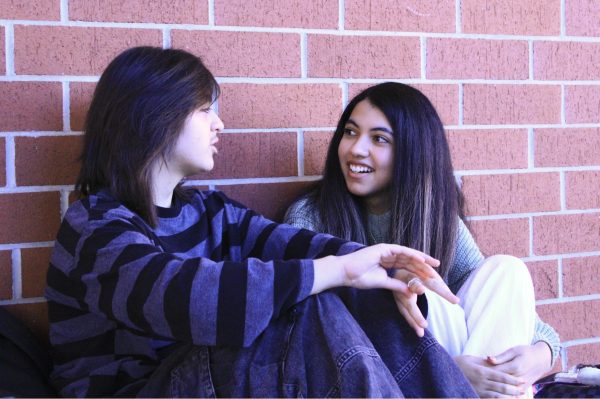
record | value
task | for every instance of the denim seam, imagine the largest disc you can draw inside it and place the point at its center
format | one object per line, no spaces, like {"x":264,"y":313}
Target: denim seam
{"x":415,"y":360}
{"x":344,"y":358}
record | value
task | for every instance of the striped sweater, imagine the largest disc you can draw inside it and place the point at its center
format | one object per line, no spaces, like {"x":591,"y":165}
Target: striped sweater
{"x":212,"y":273}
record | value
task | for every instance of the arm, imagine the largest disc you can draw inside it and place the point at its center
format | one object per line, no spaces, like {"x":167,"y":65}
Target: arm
{"x":128,"y":278}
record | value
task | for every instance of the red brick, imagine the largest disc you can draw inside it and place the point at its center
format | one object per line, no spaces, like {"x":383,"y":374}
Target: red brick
{"x":2,"y":52}
{"x":401,"y":15}
{"x":583,"y":354}
{"x":249,"y":54}
{"x":284,"y":14}
{"x":48,"y":160}
{"x":572,"y":320}
{"x":2,"y":161}
{"x":30,"y":106}
{"x":567,"y":147}
{"x":246,"y":155}
{"x":270,"y":200}
{"x":168,"y":12}
{"x":502,"y":236}
{"x":298,"y":105}
{"x":34,"y":316}
{"x":34,"y":264}
{"x":580,"y":275}
{"x":512,"y":193}
{"x":582,"y":19}
{"x":582,"y":104}
{"x":583,"y":189}
{"x":519,"y":104}
{"x":477,"y":59}
{"x":566,"y":60}
{"x":443,"y":97}
{"x":29,"y":217}
{"x":31,"y":10}
{"x":81,"y":96}
{"x":363,"y":56}
{"x":6,"y":275}
{"x":315,"y":151}
{"x":488,"y":149}
{"x":558,"y":234}
{"x":512,"y":17}
{"x":60,"y":50}
{"x":544,"y":274}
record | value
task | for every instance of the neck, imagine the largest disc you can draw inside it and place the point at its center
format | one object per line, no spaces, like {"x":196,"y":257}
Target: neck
{"x":377,"y":204}
{"x":163,"y":185}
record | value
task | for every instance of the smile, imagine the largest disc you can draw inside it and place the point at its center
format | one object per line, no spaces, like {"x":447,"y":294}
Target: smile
{"x":360,"y":168}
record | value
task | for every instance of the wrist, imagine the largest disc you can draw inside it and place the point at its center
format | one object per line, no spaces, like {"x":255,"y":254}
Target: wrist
{"x":329,"y":272}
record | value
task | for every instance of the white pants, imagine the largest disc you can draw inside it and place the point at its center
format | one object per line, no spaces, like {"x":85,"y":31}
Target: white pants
{"x":496,"y":310}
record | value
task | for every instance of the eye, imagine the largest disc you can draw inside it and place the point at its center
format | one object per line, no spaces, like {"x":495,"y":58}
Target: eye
{"x":381,"y":139}
{"x":349,"y":132}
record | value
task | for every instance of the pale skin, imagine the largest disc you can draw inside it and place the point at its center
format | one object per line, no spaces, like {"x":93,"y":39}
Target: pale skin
{"x":368,"y":143}
{"x":193,"y":153}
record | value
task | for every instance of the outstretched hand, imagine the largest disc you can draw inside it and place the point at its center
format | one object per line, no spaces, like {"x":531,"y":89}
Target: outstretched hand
{"x":366,"y":268}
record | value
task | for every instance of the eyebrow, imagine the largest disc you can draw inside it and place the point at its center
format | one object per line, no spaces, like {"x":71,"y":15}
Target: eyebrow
{"x":375,"y":129}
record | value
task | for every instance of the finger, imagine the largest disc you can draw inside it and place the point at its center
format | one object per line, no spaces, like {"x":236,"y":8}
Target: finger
{"x":503,"y":357}
{"x":411,"y":322}
{"x":504,"y":389}
{"x":421,"y":269}
{"x":416,"y":286}
{"x":438,"y":286}
{"x":395,"y":285}
{"x":503,"y":378}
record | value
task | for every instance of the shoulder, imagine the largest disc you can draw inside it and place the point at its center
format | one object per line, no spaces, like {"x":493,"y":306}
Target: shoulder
{"x":303,"y":213}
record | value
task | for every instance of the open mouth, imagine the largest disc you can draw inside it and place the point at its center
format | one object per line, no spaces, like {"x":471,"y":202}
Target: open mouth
{"x":360,"y":169}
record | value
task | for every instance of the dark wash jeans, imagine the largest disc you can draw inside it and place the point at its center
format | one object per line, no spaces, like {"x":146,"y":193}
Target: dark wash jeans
{"x":343,"y":343}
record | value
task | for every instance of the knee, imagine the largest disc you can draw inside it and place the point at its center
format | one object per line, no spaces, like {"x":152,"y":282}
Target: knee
{"x":507,"y":268}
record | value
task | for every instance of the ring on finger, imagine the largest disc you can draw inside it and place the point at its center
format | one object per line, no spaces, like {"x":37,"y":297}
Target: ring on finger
{"x":414,"y":281}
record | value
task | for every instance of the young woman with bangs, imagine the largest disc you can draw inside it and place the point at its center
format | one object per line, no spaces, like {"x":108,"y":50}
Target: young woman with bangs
{"x":388,"y":178}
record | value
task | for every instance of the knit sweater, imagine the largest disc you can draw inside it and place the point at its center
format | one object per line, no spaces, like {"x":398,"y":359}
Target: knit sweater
{"x":303,"y":213}
{"x":212,"y":272}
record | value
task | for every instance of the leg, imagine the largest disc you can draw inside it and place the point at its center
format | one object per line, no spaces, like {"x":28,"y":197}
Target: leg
{"x":447,"y":323}
{"x":499,"y":304}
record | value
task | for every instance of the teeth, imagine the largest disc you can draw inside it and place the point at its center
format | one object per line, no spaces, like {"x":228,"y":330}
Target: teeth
{"x":360,"y":169}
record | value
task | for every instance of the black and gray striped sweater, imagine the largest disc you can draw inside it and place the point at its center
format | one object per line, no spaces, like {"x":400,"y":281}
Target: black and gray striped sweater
{"x":211,"y":273}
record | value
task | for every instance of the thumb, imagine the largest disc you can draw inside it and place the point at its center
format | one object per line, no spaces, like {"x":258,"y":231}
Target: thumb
{"x":503,"y":357}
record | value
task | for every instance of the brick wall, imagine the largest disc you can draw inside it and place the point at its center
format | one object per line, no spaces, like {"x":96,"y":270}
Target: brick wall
{"x":516,"y":82}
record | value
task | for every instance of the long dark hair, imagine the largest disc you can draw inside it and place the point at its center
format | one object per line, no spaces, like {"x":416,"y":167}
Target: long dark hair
{"x":426,"y":201}
{"x":138,"y":110}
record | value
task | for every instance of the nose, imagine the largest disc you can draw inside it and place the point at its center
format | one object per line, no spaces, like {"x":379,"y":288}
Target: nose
{"x":360,"y":147}
{"x":218,"y":124}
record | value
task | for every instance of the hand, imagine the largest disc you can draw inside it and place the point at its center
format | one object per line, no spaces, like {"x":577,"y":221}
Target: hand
{"x":487,"y":381}
{"x":407,"y":302}
{"x":528,"y":362}
{"x":365,"y":268}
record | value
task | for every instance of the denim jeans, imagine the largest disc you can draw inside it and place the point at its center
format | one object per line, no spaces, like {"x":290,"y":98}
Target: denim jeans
{"x":343,"y":343}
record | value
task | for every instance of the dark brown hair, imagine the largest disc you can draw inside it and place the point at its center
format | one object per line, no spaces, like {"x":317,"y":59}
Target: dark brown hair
{"x":138,"y":110}
{"x":426,"y":202}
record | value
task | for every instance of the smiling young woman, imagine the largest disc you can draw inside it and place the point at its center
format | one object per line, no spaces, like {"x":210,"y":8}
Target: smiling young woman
{"x":388,"y":177}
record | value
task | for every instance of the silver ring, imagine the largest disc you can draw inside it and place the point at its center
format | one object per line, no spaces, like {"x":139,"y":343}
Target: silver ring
{"x":413,"y":281}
